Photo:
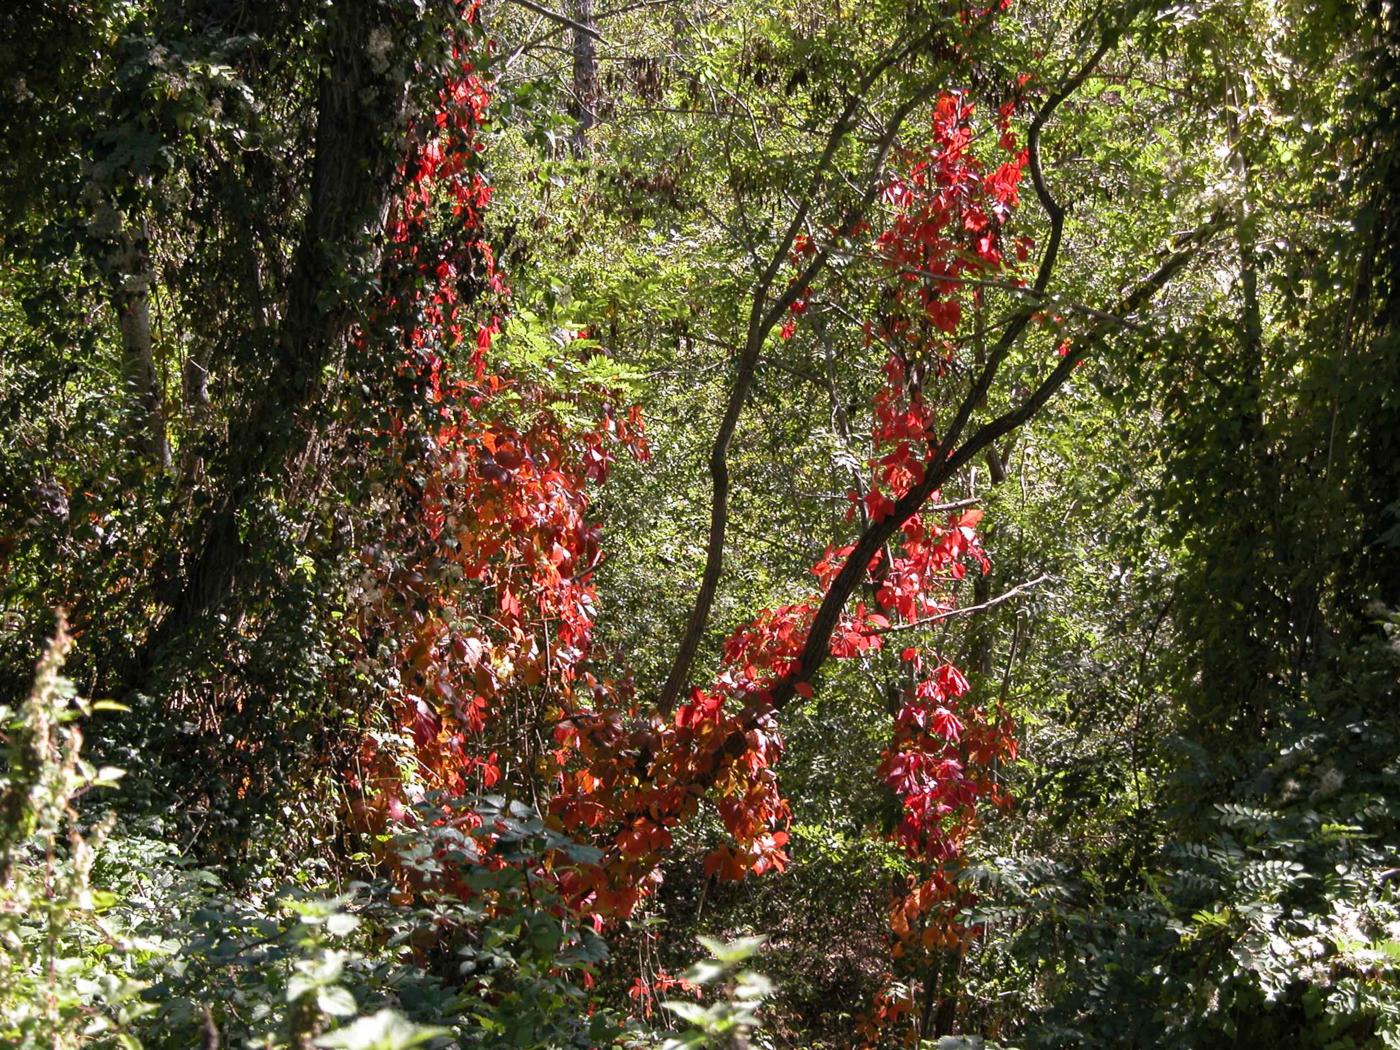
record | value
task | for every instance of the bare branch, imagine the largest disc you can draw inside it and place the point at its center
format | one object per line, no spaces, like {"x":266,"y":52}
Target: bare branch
{"x":967,"y":610}
{"x":1130,"y":304}
{"x":563,"y":20}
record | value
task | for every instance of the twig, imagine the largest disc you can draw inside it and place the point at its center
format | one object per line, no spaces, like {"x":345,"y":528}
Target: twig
{"x":1004,"y":596}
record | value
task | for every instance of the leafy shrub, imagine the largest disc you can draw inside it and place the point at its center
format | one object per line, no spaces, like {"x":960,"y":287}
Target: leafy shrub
{"x":68,"y":975}
{"x":110,"y":940}
{"x":1270,"y":916}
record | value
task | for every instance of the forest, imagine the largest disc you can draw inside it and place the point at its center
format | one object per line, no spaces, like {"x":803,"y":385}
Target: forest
{"x":665,"y":524}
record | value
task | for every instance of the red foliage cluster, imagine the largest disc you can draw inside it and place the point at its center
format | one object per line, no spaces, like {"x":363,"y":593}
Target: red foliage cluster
{"x":946,"y":233}
{"x":483,"y":592}
{"x":649,"y":993}
{"x":483,"y":585}
{"x":635,"y":776}
{"x":944,"y":245}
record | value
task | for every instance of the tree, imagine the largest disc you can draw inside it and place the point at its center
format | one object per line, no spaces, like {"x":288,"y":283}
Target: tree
{"x":751,"y":440}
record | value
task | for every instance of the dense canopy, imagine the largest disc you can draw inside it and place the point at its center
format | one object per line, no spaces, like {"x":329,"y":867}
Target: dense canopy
{"x":519,"y":519}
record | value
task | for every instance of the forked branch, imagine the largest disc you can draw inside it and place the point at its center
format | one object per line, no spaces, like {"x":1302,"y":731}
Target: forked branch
{"x":816,"y":649}
{"x":764,"y":315}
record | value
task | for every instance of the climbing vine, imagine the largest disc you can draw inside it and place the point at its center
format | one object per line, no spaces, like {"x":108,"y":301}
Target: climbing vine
{"x":482,"y":589}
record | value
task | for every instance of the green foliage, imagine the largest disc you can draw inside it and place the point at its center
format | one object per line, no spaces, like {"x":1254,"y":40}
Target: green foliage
{"x":479,"y":952}
{"x":1202,"y":851}
{"x":730,"y":1020}
{"x":115,"y":940}
{"x":66,"y":970}
{"x":1272,"y":916}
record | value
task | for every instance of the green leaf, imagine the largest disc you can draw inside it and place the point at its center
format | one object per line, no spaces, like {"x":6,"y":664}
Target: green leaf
{"x":385,"y":1030}
{"x":336,"y":1001}
{"x":690,"y":1013}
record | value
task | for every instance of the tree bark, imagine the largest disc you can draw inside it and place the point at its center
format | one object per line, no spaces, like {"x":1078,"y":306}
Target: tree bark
{"x":125,"y":262}
{"x":585,"y":88}
{"x":358,"y":141}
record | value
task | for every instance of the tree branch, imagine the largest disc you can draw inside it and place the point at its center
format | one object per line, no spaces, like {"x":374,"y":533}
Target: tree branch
{"x":967,"y":610}
{"x":1056,"y":214}
{"x":563,"y":20}
{"x":762,"y":319}
{"x":815,"y":652}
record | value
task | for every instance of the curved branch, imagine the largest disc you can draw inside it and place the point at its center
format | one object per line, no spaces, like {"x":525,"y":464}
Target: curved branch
{"x":763,"y":316}
{"x":816,"y":650}
{"x":562,"y":19}
{"x":1056,"y":214}
{"x":967,"y":610}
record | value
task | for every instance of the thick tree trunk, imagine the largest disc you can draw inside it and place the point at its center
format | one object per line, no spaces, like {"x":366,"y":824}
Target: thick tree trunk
{"x":1379,"y":565}
{"x":358,"y":140}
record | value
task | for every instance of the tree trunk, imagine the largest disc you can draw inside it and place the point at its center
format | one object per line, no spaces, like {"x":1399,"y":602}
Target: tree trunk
{"x":358,"y":140}
{"x":124,"y":259}
{"x":585,"y":88}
